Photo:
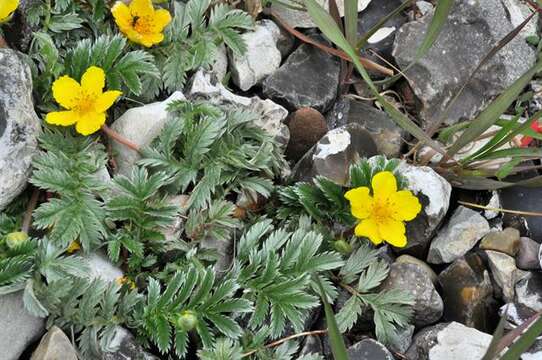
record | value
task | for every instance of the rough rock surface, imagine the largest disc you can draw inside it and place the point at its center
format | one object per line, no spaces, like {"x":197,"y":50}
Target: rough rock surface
{"x":523,"y":199}
{"x":219,"y":67}
{"x":19,"y":125}
{"x":334,"y":153}
{"x":388,"y":136}
{"x":482,"y":22}
{"x":261,"y":59}
{"x":369,"y":349}
{"x":413,"y":279}
{"x":529,"y":291}
{"x":141,"y":125}
{"x":505,"y":273}
{"x":18,"y":329}
{"x":307,"y":90}
{"x":125,"y":347}
{"x":54,"y":345}
{"x":457,"y":341}
{"x":527,"y":257}
{"x":506,"y":241}
{"x":462,"y":232}
{"x":407,"y":259}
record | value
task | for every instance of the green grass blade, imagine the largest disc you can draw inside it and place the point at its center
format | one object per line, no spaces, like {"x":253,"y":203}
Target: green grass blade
{"x":335,"y":337}
{"x":524,"y":342}
{"x":492,"y":350}
{"x":513,"y":152}
{"x":326,"y":24}
{"x":351,"y":21}
{"x":492,"y":113}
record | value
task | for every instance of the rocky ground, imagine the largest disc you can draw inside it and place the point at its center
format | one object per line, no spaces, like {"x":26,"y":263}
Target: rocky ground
{"x":464,"y":267}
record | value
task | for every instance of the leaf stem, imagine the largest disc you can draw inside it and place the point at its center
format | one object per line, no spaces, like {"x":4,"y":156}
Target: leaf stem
{"x":119,"y":138}
{"x":27,"y":220}
{"x":517,"y":212}
{"x":287,"y":338}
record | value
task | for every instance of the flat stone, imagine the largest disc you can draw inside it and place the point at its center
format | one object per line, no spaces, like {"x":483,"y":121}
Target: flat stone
{"x":413,"y":279}
{"x":457,"y":341}
{"x":527,"y":257}
{"x":529,"y":291}
{"x":306,"y":126}
{"x":482,"y":22}
{"x":261,"y":59}
{"x":124,"y":346}
{"x":407,"y":259}
{"x":369,"y":349}
{"x":19,"y":125}
{"x":388,"y":135}
{"x":54,"y":345}
{"x":18,"y":329}
{"x":402,"y":339}
{"x":423,"y":341}
{"x":141,"y":125}
{"x":505,"y":273}
{"x":506,"y":241}
{"x":458,"y":236}
{"x":307,"y":90}
{"x":468,"y":293}
{"x":334,"y":153}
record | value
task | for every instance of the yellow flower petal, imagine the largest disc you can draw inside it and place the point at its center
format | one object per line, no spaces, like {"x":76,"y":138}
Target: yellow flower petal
{"x":62,"y":118}
{"x":384,"y":184}
{"x":66,"y":92}
{"x":93,"y":81}
{"x":106,"y":100}
{"x":360,"y":201}
{"x":162,"y":18}
{"x":90,"y":123}
{"x":369,"y":228}
{"x":141,"y":8}
{"x":149,"y":40}
{"x":7,"y":7}
{"x":122,"y":15}
{"x":406,"y":206}
{"x":393,"y":232}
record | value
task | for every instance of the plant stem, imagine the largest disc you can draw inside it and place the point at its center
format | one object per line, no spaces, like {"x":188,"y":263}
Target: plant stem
{"x":27,"y":220}
{"x":119,"y":138}
{"x":283,"y":340}
{"x":517,"y":212}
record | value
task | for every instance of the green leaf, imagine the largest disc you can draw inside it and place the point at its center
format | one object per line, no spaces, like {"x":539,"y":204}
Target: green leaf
{"x":31,"y":303}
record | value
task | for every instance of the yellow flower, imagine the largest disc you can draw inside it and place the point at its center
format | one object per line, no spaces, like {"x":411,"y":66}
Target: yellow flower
{"x":7,"y":7}
{"x":140,"y":22}
{"x":383,"y":213}
{"x":86,"y":103}
{"x":121,"y":280}
{"x":74,"y":246}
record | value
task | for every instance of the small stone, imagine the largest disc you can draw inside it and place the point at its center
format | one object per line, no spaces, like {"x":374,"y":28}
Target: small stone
{"x":312,"y":345}
{"x":219,"y":67}
{"x":124,"y":346}
{"x":307,"y":126}
{"x":515,"y":314}
{"x":261,"y":59}
{"x":434,"y":193}
{"x":527,"y":257}
{"x":407,"y":259}
{"x":529,"y":291}
{"x":468,"y":294}
{"x":457,"y":341}
{"x":413,"y":279}
{"x":141,"y":125}
{"x":101,"y":267}
{"x":424,"y":7}
{"x":388,"y":136}
{"x":462,"y":232}
{"x":506,"y":241}
{"x":18,"y":328}
{"x":369,"y":349}
{"x":494,"y":202}
{"x":307,"y":90}
{"x":402,"y":339}
{"x":334,"y":153}
{"x":19,"y":125}
{"x":523,"y":198}
{"x":505,"y":273}
{"x":423,"y":341}
{"x":55,"y":345}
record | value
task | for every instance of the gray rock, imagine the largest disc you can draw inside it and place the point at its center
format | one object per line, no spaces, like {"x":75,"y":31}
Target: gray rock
{"x":517,"y":12}
{"x":523,"y":199}
{"x":369,"y":349}
{"x":219,"y":67}
{"x":334,"y":153}
{"x":101,"y":267}
{"x":457,"y":341}
{"x":527,"y":257}
{"x":505,"y":273}
{"x":413,"y":279}
{"x":18,"y":329}
{"x":19,"y":125}
{"x":18,"y":31}
{"x":515,"y":314}
{"x":424,"y":7}
{"x":423,"y":341}
{"x":529,"y":291}
{"x":434,"y":193}
{"x":141,"y":125}
{"x":124,"y":346}
{"x":312,"y":345}
{"x":261,"y":59}
{"x":402,"y":339}
{"x":284,"y":40}
{"x":388,"y":136}
{"x":468,"y":293}
{"x":54,"y":345}
{"x":460,"y":234}
{"x":308,"y":78}
{"x":506,"y":241}
{"x":482,"y":22}
{"x":270,"y":115}
{"x":407,"y":259}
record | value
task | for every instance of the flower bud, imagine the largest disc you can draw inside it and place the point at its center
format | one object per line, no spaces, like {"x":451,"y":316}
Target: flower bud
{"x":342,"y":246}
{"x":16,"y":239}
{"x":187,"y":320}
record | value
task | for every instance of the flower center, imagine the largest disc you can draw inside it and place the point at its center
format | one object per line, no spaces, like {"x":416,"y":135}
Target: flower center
{"x":381,"y":210}
{"x":85,"y":103}
{"x":143,"y":24}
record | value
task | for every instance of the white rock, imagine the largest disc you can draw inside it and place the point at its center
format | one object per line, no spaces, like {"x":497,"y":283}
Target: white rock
{"x":284,"y":40}
{"x":261,"y":59}
{"x":529,"y":291}
{"x":141,"y":125}
{"x":220,"y":65}
{"x":271,"y":115}
{"x":424,"y":6}
{"x":381,"y":34}
{"x":504,"y":271}
{"x":457,"y":341}
{"x":518,"y":12}
{"x":460,"y":235}
{"x":54,"y":345}
{"x":18,"y":329}
{"x":101,"y":267}
{"x":494,"y":203}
